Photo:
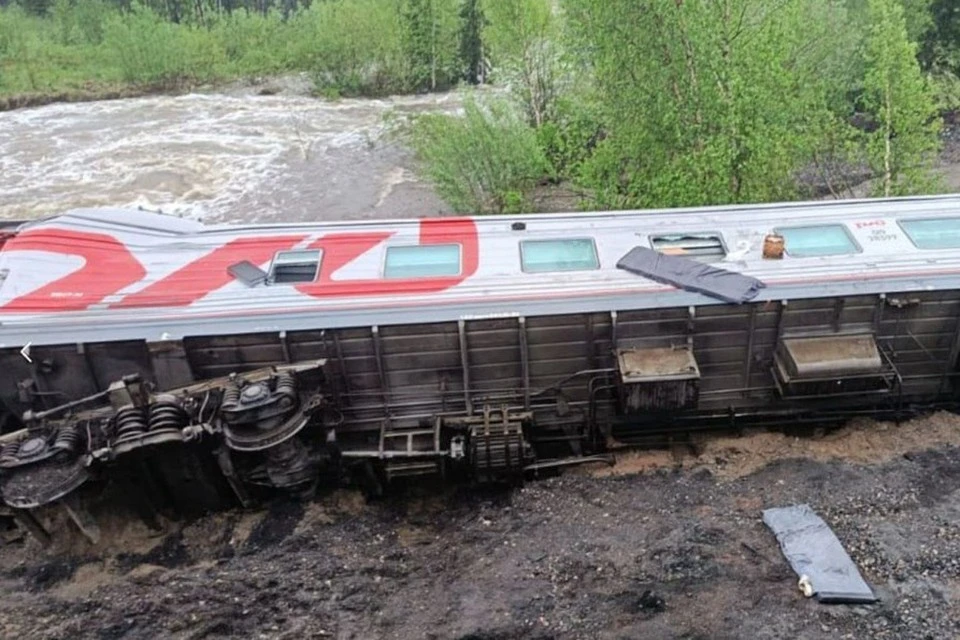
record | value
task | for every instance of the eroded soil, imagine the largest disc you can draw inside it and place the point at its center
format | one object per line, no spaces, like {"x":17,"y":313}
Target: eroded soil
{"x":653,"y":550}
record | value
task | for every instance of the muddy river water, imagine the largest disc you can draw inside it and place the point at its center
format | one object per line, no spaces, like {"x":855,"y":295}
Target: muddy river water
{"x":235,"y":155}
{"x":216,"y":157}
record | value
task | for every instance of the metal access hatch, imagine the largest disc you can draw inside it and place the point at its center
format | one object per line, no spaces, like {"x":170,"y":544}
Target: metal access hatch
{"x":831,"y":365}
{"x":657,"y":379}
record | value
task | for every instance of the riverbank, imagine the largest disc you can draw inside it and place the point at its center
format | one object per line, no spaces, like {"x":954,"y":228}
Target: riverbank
{"x":91,"y":93}
{"x":290,"y":84}
{"x":670,"y":552}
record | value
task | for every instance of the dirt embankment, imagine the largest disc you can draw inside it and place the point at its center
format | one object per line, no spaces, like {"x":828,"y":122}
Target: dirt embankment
{"x":291,"y":84}
{"x":676,"y":551}
{"x":89,"y":94}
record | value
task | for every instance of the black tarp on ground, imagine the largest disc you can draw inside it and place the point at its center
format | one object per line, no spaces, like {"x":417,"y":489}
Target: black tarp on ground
{"x":813,"y":550}
{"x":691,"y":275}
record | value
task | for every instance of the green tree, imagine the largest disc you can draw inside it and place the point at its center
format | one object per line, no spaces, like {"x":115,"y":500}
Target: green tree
{"x":709,"y":102}
{"x":918,"y":17}
{"x":903,"y":148}
{"x":430,"y":42}
{"x":941,"y":44}
{"x":472,"y":23}
{"x":36,"y":7}
{"x":916,"y":13}
{"x":522,"y":37}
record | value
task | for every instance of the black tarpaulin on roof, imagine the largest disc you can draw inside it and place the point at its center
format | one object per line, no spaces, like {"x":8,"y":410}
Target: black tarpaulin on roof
{"x":691,"y":275}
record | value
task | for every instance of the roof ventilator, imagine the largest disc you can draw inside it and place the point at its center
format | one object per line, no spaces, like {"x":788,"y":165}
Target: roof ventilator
{"x":290,"y":267}
{"x":702,"y":247}
{"x":832,"y":366}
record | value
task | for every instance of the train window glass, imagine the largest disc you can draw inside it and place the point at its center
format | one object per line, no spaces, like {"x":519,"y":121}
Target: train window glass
{"x":295,"y":266}
{"x":422,"y":261}
{"x":934,"y":233}
{"x":705,"y":247}
{"x":542,"y":256}
{"x":817,"y":240}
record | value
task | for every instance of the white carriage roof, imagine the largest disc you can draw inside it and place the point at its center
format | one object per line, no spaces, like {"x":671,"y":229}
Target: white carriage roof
{"x":108,"y":274}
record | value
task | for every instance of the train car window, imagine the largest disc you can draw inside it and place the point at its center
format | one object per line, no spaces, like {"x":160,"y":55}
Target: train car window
{"x":705,"y":247}
{"x":422,"y":261}
{"x":817,"y":240}
{"x":295,"y":266}
{"x":543,"y":256}
{"x":933,"y":233}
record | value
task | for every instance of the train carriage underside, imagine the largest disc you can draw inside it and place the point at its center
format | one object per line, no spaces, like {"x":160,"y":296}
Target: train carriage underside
{"x":209,"y":421}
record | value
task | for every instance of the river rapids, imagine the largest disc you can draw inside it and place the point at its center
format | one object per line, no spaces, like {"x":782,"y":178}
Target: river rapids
{"x":216,"y":157}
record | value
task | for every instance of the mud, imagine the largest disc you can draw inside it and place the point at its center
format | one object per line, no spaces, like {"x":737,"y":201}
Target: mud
{"x":674,"y":551}
{"x":862,"y":441}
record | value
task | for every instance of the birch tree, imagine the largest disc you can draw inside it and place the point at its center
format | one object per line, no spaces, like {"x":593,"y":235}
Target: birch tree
{"x":522,"y":36}
{"x":903,"y":148}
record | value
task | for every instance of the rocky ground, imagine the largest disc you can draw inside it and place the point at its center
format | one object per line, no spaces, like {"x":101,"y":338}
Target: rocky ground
{"x":661,"y":546}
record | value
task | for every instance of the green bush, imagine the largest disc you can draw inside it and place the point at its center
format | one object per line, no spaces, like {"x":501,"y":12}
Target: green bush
{"x":148,"y":49}
{"x":570,"y":136}
{"x":16,"y":27}
{"x":254,"y":43}
{"x":352,"y":48}
{"x":946,"y":90}
{"x":61,"y":13}
{"x":89,"y":17}
{"x":486,"y":161}
{"x":78,"y":22}
{"x":26,"y":45}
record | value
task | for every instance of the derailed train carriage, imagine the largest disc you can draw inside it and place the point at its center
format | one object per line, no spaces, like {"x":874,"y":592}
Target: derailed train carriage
{"x":188,"y":366}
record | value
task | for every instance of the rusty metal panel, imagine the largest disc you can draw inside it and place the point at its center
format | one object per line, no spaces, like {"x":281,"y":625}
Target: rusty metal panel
{"x":260,"y":355}
{"x":662,"y":325}
{"x":171,"y":368}
{"x":720,"y":356}
{"x":356,"y":347}
{"x":737,"y":339}
{"x":220,"y":355}
{"x":556,"y":351}
{"x":360,"y":364}
{"x":419,"y":338}
{"x":494,"y":355}
{"x":110,"y":361}
{"x":921,"y":356}
{"x":63,"y":370}
{"x":309,"y":345}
